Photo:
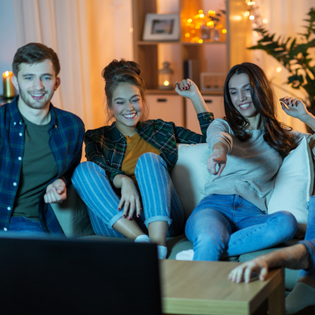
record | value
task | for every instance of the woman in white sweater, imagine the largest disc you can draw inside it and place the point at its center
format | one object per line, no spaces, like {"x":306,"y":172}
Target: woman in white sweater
{"x":247,"y":150}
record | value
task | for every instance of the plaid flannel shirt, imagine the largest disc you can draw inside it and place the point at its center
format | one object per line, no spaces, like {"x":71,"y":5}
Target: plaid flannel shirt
{"x":66,"y":136}
{"x":106,"y":146}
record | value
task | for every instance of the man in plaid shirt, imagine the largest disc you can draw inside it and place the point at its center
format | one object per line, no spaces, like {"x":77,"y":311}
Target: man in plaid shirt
{"x":40,"y":145}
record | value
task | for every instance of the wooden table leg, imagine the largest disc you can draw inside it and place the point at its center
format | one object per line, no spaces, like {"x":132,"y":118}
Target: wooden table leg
{"x":276,"y":300}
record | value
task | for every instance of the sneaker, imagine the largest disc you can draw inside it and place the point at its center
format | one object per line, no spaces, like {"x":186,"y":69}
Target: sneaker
{"x":185,"y":255}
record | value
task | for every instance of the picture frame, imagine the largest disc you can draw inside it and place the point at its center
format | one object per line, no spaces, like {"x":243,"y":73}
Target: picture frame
{"x":212,"y":81}
{"x":161,"y":27}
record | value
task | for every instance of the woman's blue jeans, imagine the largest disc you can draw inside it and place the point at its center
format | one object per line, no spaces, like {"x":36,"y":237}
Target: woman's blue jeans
{"x":310,"y":236}
{"x":228,"y":225}
{"x":159,"y":198}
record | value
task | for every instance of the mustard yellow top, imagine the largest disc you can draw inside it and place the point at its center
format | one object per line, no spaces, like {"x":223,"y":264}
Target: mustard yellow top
{"x":136,"y":146}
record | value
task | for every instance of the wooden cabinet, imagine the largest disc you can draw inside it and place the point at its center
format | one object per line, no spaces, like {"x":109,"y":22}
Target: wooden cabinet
{"x":215,"y":105}
{"x":214,"y":56}
{"x":166,"y":107}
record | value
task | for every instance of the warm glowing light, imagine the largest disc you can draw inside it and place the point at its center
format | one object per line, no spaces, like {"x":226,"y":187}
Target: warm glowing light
{"x":251,"y":17}
{"x":197,"y":27}
{"x":200,"y":41}
{"x":189,"y":20}
{"x":210,"y":12}
{"x":210,"y":23}
{"x":236,"y":17}
{"x":202,"y":16}
{"x":131,"y":30}
{"x":224,"y":31}
{"x":200,"y":11}
{"x":247,"y":13}
{"x":166,"y":83}
{"x":255,"y":33}
{"x":251,"y":3}
{"x":279,"y":69}
{"x":265,"y":21}
{"x":187,"y":35}
{"x":6,"y":74}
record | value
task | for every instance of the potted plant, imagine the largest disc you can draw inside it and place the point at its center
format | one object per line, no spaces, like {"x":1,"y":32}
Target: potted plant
{"x":294,"y":56}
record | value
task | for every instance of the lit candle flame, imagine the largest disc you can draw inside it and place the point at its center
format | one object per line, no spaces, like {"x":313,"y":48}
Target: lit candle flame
{"x":6,"y":73}
{"x":166,"y":83}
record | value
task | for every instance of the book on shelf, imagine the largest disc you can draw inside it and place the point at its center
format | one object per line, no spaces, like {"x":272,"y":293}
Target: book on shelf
{"x":192,"y":70}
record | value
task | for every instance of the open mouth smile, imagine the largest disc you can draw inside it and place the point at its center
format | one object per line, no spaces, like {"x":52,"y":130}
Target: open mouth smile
{"x":130,"y":116}
{"x":245,"y":106}
{"x":37,"y":96}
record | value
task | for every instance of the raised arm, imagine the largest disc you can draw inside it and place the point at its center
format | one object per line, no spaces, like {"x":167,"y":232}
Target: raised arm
{"x":189,"y":89}
{"x":296,"y":108}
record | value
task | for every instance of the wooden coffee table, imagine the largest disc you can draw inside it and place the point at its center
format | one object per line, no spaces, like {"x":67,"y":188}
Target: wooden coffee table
{"x":202,"y":287}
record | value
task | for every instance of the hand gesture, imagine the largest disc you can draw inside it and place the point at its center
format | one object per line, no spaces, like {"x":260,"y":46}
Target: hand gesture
{"x":216,"y":162}
{"x":293,"y":107}
{"x":249,"y":270}
{"x":130,"y":198}
{"x":186,"y":88}
{"x":56,"y":192}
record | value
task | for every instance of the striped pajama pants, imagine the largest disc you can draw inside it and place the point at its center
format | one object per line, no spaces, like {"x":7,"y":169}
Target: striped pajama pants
{"x":159,"y":198}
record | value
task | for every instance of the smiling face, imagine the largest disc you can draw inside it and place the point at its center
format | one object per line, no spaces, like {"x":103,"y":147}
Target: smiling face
{"x":36,"y":84}
{"x":240,"y":94}
{"x":127,"y":108}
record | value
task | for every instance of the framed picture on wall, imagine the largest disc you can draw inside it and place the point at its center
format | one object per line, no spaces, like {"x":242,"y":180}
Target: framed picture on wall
{"x":161,"y":27}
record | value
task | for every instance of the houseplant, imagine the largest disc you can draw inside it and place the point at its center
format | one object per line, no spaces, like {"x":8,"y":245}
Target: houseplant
{"x":294,"y":55}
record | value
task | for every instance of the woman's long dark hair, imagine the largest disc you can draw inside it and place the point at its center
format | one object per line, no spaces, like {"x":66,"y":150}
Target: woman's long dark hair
{"x":276,"y":134}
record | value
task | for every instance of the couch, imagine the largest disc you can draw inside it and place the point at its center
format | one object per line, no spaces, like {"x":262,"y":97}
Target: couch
{"x":189,"y":176}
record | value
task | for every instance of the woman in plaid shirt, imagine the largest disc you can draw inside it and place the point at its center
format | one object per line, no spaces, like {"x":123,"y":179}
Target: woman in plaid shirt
{"x":126,"y":183}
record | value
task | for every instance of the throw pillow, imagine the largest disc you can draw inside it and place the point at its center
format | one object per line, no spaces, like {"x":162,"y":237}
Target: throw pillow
{"x":294,"y":184}
{"x":190,"y":174}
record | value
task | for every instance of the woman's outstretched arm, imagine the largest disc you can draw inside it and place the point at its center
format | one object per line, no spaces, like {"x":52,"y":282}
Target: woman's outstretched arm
{"x":293,"y":257}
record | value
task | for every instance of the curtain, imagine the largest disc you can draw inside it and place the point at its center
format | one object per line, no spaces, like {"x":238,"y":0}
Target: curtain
{"x":285,"y":19}
{"x":61,"y":25}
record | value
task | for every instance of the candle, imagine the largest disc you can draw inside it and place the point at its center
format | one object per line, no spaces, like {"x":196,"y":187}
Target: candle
{"x":8,"y":88}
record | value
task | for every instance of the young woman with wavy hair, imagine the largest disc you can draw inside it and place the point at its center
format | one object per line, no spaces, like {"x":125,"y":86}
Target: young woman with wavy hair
{"x":247,"y":150}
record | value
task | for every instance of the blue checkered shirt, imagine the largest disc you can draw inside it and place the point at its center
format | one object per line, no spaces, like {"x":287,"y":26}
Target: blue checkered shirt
{"x":66,"y":136}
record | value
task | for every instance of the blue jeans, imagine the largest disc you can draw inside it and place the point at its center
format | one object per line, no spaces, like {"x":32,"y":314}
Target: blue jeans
{"x":310,"y":236}
{"x":228,"y":225}
{"x":25,"y":227}
{"x":159,"y":198}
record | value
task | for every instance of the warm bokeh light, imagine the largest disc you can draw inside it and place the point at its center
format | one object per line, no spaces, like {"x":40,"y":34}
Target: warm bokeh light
{"x":251,"y":17}
{"x":200,"y":11}
{"x":189,"y":20}
{"x":224,"y":31}
{"x":265,"y":21}
{"x":6,"y":74}
{"x":251,"y":3}
{"x":187,"y":35}
{"x":166,"y":83}
{"x":279,"y":69}
{"x":247,"y":13}
{"x":200,"y":41}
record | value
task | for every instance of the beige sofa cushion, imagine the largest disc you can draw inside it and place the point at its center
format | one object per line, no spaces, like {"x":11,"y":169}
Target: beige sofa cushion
{"x":72,"y":215}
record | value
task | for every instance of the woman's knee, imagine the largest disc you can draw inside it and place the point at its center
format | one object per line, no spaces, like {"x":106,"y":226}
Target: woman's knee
{"x":287,"y":221}
{"x":150,"y":159}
